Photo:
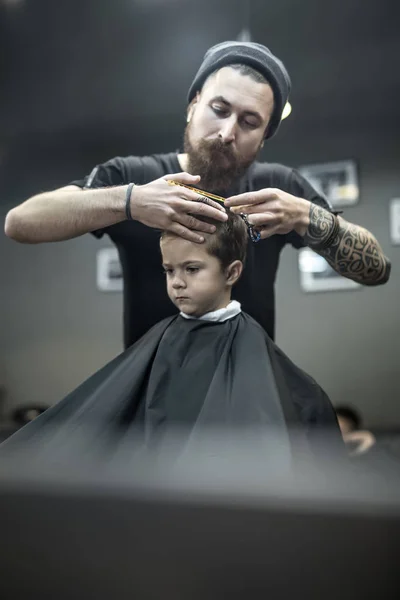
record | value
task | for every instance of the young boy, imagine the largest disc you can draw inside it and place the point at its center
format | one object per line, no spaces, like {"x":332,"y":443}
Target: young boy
{"x":209,"y":366}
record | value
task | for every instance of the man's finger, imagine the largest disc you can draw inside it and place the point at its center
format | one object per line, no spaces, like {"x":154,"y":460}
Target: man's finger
{"x":267,"y":232}
{"x":252,"y":209}
{"x":204,"y":210}
{"x":185,"y":233}
{"x":251,"y":198}
{"x":183,"y":178}
{"x":194,"y":224}
{"x":194,"y":197}
{"x":267,"y":219}
{"x":243,"y":199}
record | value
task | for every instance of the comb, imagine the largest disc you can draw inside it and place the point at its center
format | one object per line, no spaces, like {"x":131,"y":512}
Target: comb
{"x":200,"y":192}
{"x":255,"y":235}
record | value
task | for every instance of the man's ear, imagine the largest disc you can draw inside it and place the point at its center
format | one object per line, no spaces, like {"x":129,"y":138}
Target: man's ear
{"x":233,"y":272}
{"x":191,"y":106}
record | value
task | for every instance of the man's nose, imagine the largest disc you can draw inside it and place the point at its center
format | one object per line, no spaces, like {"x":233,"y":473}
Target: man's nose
{"x":227,"y":132}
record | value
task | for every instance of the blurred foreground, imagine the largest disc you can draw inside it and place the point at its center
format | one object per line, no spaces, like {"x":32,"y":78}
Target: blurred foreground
{"x":228,"y":519}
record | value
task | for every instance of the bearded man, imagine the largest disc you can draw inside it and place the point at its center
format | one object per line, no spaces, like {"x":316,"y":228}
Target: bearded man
{"x":235,"y":104}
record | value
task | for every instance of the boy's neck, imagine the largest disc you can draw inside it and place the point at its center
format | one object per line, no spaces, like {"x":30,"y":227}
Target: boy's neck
{"x":222,"y":304}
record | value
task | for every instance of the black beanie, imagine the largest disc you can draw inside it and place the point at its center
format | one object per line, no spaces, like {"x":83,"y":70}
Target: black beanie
{"x":255,"y":55}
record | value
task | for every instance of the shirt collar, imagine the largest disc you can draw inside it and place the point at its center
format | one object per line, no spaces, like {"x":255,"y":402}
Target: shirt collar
{"x":220,"y":315}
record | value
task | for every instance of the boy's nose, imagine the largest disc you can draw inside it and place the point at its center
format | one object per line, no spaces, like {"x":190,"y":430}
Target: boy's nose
{"x":178,"y":282}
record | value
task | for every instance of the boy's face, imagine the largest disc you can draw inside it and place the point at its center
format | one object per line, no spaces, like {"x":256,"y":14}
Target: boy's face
{"x":196,"y":283}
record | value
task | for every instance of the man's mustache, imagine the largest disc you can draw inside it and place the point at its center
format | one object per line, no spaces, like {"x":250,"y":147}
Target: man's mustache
{"x":218,"y":147}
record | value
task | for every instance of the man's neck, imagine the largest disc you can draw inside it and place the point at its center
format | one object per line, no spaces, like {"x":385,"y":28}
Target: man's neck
{"x":183,"y":160}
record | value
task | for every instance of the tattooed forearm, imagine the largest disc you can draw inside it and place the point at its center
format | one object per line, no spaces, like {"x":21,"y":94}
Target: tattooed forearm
{"x":351,"y":250}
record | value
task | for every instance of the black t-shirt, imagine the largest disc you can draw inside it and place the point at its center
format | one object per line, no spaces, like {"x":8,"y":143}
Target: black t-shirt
{"x":145,"y":297}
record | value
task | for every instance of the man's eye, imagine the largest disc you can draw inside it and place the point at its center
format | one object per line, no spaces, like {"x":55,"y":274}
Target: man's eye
{"x":219,"y":111}
{"x":251,"y":124}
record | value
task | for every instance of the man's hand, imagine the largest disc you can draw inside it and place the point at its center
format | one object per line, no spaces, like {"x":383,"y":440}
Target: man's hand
{"x":272,"y":211}
{"x":171,"y":208}
{"x":354,"y":252}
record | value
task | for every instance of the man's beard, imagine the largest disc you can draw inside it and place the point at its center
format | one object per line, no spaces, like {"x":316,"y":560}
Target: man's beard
{"x":216,"y":162}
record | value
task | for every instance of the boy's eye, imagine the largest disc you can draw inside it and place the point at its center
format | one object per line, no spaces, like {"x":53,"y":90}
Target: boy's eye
{"x":167,"y":271}
{"x":192,"y":269}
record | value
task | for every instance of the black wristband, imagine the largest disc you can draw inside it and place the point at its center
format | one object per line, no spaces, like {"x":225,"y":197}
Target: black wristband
{"x":128,"y":201}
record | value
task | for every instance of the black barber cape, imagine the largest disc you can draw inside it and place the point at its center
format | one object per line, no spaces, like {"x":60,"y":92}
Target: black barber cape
{"x":194,"y":374}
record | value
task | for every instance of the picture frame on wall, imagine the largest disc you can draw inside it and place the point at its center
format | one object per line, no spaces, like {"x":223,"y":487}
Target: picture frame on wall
{"x":316,"y":274}
{"x":109,"y":271}
{"x":337,"y":181}
{"x":394,"y":210}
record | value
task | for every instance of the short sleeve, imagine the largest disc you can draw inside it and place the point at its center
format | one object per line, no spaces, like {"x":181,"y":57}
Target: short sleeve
{"x":108,"y":174}
{"x":300,"y":187}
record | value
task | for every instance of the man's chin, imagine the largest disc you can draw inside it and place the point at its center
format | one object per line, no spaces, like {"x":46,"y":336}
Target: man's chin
{"x":219,"y":178}
{"x":221,"y":161}
{"x":218,"y":167}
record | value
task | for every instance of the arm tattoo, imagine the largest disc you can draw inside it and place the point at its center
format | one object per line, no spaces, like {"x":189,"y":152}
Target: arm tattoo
{"x":351,"y":251}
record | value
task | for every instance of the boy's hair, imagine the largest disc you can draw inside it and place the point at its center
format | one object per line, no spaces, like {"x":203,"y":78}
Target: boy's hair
{"x":229,"y":241}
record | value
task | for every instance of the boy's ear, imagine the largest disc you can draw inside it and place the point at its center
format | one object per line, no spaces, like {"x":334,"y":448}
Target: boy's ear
{"x":233,"y":272}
